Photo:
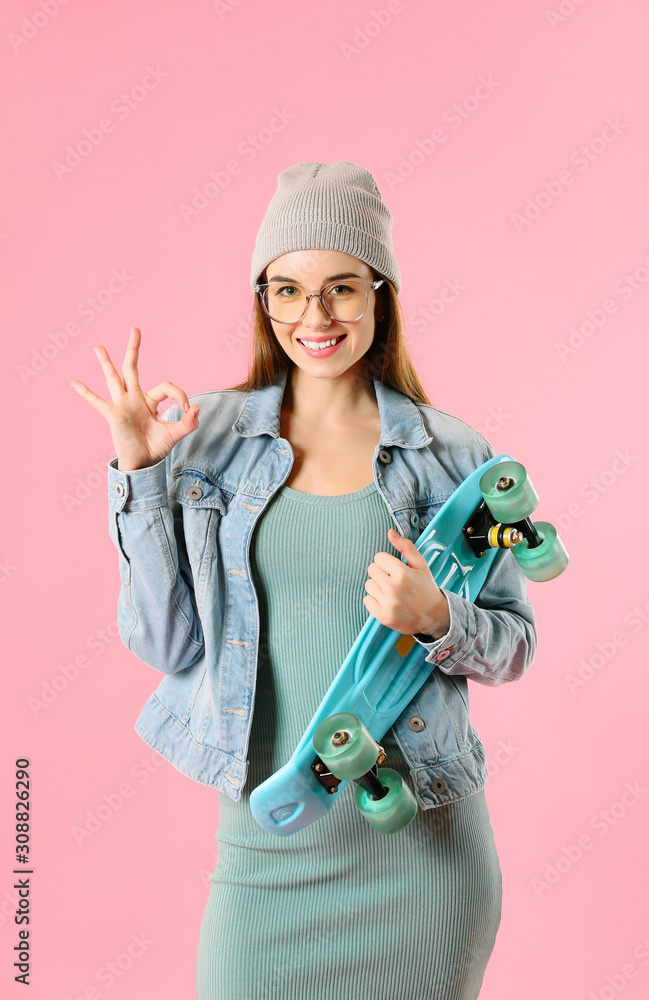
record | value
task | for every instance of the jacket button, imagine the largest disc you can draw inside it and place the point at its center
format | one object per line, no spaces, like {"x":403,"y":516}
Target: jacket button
{"x":414,"y":518}
{"x":416,"y":724}
{"x":438,"y":785}
{"x":119,"y":489}
{"x":385,"y":456}
{"x":442,"y":656}
{"x":194,"y":493}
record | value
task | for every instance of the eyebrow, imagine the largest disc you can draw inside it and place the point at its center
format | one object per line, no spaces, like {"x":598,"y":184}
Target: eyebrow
{"x":332,"y":277}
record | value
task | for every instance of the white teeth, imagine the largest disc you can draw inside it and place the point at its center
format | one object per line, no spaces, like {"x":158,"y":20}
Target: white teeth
{"x":313,"y":346}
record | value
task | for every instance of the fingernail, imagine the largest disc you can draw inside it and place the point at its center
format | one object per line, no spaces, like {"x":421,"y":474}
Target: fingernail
{"x":186,"y":406}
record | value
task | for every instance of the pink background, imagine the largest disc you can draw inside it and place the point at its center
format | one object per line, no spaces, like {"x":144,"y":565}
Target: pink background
{"x":370,"y":83}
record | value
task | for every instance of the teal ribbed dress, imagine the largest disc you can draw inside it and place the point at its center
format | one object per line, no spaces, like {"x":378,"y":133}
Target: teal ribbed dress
{"x":337,"y":909}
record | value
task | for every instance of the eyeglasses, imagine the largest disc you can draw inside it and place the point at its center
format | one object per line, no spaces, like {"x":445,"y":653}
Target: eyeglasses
{"x":344,"y":302}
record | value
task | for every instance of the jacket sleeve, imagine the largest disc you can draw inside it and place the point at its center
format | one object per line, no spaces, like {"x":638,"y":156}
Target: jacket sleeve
{"x":157,"y":616}
{"x":492,"y":640}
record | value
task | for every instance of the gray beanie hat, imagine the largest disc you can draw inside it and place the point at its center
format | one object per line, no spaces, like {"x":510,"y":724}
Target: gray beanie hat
{"x":327,"y":206}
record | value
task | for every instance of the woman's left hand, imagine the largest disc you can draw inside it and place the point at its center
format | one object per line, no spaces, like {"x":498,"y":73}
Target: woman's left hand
{"x":406,"y":597}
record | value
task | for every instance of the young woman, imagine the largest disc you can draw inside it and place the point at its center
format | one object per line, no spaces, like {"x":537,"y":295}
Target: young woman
{"x":252,"y":548}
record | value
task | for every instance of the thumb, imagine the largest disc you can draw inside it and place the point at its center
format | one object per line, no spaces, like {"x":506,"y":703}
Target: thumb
{"x":400,"y":542}
{"x":408,"y":548}
{"x":187,"y":423}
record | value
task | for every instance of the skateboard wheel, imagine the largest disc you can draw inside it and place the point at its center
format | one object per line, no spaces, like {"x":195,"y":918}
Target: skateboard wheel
{"x":350,"y":754}
{"x":395,"y":810}
{"x":546,"y":560}
{"x":514,"y":503}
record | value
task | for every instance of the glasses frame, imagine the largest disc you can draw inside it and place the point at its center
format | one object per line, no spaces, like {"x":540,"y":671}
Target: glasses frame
{"x":259,"y":288}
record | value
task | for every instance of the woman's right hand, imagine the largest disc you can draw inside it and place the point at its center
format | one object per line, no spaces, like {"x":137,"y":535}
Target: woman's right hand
{"x":140,"y":436}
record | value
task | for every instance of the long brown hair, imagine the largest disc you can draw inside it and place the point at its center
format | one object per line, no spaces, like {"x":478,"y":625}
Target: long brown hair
{"x":387,"y":360}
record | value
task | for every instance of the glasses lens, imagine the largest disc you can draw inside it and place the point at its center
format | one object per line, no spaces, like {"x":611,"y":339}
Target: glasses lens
{"x":345,"y":301}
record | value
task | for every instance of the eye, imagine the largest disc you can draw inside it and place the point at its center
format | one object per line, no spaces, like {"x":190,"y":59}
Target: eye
{"x":279,"y":290}
{"x":345,"y":288}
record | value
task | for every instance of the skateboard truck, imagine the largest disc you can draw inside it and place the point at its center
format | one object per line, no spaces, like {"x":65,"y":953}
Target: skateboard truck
{"x":483,"y":532}
{"x":369,"y":781}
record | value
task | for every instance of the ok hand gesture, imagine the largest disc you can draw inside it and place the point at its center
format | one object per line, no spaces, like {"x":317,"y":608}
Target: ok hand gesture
{"x":140,"y":436}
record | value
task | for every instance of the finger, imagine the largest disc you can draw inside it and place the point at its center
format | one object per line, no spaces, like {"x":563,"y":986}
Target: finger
{"x":95,"y":401}
{"x":390,"y":565}
{"x":373,"y":589}
{"x":378,"y":575}
{"x":166,"y":390}
{"x":129,"y":368}
{"x":372,"y":605}
{"x":113,"y":380}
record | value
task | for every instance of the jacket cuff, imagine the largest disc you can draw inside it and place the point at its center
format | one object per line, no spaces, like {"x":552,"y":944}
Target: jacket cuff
{"x":139,"y":489}
{"x":461,"y":633}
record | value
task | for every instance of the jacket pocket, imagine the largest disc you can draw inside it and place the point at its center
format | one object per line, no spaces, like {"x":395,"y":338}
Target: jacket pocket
{"x":202,"y":505}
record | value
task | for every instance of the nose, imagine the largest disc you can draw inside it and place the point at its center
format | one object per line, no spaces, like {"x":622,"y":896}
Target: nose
{"x":315,"y":317}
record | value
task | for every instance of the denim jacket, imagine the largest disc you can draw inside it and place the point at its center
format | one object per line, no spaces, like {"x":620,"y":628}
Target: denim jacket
{"x":188,"y":607}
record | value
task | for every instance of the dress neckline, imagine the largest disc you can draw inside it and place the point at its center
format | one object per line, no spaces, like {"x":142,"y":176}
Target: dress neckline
{"x":318,"y":498}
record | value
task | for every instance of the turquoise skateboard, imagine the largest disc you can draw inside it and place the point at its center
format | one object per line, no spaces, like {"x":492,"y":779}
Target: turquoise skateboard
{"x":384,"y":670}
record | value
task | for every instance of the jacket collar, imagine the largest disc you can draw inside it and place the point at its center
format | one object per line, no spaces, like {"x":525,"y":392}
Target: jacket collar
{"x":401,"y":421}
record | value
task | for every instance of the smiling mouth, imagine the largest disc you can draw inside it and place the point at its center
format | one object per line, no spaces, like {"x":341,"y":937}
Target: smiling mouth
{"x":319,"y":345}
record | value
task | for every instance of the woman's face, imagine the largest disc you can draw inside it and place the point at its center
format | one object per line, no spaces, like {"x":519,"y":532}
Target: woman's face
{"x":312,"y":269}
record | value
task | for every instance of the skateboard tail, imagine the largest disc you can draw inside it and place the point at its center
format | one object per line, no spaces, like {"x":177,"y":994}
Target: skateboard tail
{"x":288,"y":801}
